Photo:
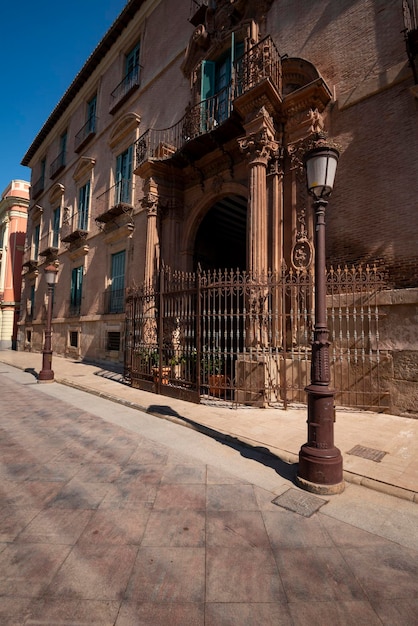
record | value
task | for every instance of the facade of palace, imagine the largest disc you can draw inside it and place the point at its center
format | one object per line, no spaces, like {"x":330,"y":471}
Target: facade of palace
{"x":180,"y":144}
{"x":14,"y":203}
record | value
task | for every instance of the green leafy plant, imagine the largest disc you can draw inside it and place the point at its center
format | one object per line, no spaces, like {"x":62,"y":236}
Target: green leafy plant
{"x":212,"y":363}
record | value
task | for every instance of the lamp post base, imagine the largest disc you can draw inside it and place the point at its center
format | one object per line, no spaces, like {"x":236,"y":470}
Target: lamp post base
{"x":46,"y":380}
{"x":320,"y":471}
{"x":46,"y":375}
{"x":320,"y":490}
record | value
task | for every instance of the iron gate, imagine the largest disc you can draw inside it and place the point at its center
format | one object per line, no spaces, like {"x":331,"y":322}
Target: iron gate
{"x":239,"y":338}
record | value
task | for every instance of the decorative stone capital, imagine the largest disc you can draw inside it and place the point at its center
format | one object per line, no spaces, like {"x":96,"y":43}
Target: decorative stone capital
{"x":150,"y":203}
{"x":259,"y":143}
{"x":258,"y":147}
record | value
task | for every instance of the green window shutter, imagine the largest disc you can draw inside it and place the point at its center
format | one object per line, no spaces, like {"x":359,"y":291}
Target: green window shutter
{"x":63,"y":147}
{"x":118,"y":282}
{"x":32,"y":301}
{"x":132,"y":60}
{"x":76,"y":287}
{"x":56,"y":227}
{"x":36,"y":236}
{"x":91,"y":113}
{"x":208,"y":80}
{"x":83,"y":206}
{"x":124,"y":176}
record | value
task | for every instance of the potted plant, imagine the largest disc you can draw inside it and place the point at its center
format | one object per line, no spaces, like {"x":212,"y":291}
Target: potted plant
{"x":212,"y":366}
{"x":158,"y":374}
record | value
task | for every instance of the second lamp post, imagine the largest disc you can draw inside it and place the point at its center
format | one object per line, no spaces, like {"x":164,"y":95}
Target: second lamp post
{"x":46,"y":375}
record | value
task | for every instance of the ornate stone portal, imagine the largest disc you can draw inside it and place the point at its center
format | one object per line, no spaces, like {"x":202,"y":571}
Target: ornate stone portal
{"x":272,"y":107}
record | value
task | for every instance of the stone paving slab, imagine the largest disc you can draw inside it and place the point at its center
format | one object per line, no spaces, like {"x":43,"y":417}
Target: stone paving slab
{"x":278,"y":432}
{"x":157,"y":537}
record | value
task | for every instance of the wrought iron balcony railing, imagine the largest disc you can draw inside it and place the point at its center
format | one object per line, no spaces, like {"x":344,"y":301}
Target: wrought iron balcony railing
{"x":85,"y":133}
{"x":115,"y":201}
{"x":30,"y":258}
{"x":122,"y":92}
{"x":38,"y":187}
{"x":57,"y":165}
{"x":261,"y":63}
{"x":49,"y":244}
{"x":75,"y":227}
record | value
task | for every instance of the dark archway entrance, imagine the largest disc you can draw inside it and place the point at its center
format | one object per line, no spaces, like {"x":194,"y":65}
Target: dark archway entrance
{"x":221,"y":238}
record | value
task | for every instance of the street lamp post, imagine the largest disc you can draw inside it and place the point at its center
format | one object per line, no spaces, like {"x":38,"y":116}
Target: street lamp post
{"x":46,"y":375}
{"x":320,"y":462}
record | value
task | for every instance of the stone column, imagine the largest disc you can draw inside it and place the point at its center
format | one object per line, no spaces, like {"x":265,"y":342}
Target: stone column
{"x":275,"y":176}
{"x":258,"y":145}
{"x":150,"y":202}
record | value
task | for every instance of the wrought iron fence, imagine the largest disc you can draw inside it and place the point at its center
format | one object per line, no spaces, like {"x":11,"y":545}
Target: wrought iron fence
{"x":238,"y":338}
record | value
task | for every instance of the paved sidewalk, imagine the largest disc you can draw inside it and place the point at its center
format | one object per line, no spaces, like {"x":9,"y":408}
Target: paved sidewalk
{"x":280,"y":432}
{"x":112,"y":517}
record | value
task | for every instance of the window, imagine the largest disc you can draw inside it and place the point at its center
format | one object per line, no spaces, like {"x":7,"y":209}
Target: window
{"x":91,"y":114}
{"x":74,"y":338}
{"x":83,"y":207}
{"x":132,"y":64}
{"x":63,"y":147}
{"x":117,"y":286}
{"x":36,"y":236}
{"x":43,"y":170}
{"x":129,"y":82}
{"x":216,"y":81}
{"x":76,"y":290}
{"x":32,"y":302}
{"x":124,"y":177}
{"x":56,"y":219}
{"x":113,"y":341}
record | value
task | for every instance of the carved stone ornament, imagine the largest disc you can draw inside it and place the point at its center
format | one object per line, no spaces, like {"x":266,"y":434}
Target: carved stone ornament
{"x":258,"y":146}
{"x":220,"y":19}
{"x":302,"y":251}
{"x":150,"y":203}
{"x":302,"y":254}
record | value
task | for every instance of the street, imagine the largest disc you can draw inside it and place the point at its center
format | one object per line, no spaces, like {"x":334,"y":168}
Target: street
{"x":112,"y":516}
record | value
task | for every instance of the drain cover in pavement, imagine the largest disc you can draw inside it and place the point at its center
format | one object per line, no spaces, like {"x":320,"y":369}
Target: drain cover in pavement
{"x":367,"y":453}
{"x":299,"y":502}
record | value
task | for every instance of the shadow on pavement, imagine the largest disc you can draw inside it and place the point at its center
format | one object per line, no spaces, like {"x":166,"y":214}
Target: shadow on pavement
{"x":31,"y":370}
{"x":259,"y":454}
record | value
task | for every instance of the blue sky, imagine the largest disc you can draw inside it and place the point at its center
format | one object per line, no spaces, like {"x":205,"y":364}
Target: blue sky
{"x":43,"y":45}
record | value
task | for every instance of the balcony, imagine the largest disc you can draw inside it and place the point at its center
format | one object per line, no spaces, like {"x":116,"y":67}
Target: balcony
{"x":257,"y":77}
{"x":38,"y":187}
{"x":115,"y":201}
{"x":49,"y":244}
{"x":57,"y":165}
{"x":85,"y":133}
{"x":114,"y":300}
{"x":125,"y":88}
{"x":74,"y":228}
{"x":30,"y":259}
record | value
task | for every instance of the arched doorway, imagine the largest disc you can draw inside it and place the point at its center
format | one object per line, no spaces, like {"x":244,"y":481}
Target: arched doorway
{"x":220,"y":241}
